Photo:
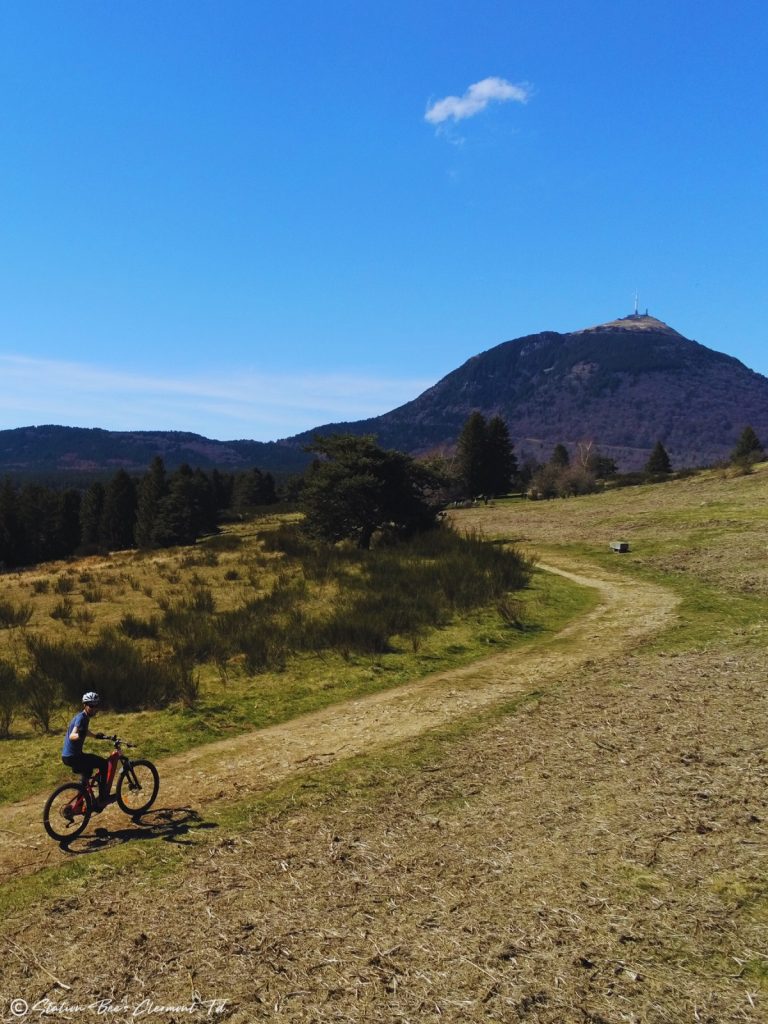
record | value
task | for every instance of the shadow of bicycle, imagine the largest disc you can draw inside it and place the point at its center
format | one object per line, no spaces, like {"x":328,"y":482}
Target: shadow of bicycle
{"x":168,"y":824}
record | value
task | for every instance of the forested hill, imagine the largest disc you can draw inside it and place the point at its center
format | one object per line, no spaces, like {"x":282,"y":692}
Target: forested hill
{"x":53,"y":450}
{"x":623,"y":384}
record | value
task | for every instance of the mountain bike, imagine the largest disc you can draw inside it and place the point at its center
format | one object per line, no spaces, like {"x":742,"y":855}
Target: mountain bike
{"x":69,"y":808}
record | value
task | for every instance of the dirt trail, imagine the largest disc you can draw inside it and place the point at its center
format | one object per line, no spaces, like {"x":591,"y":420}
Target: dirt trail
{"x":629,"y":611}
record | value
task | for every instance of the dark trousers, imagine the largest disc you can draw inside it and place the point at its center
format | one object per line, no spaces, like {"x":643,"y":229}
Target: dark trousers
{"x":86,"y":765}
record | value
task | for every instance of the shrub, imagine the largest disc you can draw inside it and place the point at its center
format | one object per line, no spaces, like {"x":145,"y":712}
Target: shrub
{"x":139,"y":629}
{"x":188,"y":685}
{"x":14,"y":615}
{"x":263,"y":650}
{"x":10,"y":699}
{"x":288,"y":539}
{"x":42,"y":685}
{"x":511,"y":611}
{"x":201,"y":600}
{"x":84,"y":618}
{"x":93,"y":594}
{"x":356,"y":627}
{"x":265,"y":629}
{"x":41,"y":586}
{"x":194,"y":638}
{"x":63,"y":610}
{"x":64,"y":584}
{"x":403,"y":589}
{"x":112,"y":665}
{"x":321,"y":562}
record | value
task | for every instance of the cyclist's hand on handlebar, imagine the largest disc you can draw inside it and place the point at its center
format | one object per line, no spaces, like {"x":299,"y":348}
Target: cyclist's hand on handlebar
{"x":99,"y":736}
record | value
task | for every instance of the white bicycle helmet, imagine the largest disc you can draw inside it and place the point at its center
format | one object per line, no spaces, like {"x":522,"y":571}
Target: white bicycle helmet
{"x":91,"y":698}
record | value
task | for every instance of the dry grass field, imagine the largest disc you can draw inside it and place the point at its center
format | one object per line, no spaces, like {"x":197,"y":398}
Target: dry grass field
{"x":569,"y":830}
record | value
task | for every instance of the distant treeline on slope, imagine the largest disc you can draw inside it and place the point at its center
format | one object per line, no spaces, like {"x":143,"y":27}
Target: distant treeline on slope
{"x":83,"y":452}
{"x":39,"y":523}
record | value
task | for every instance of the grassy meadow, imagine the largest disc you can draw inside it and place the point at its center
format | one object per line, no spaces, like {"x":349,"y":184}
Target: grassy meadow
{"x":706,"y":537}
{"x":158,"y":602}
{"x":596,"y":850}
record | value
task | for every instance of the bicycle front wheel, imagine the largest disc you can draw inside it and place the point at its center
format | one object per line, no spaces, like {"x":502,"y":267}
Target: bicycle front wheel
{"x":67,"y":811}
{"x":137,"y":787}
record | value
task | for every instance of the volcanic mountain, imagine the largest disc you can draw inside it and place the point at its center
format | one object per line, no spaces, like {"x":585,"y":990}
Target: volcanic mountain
{"x":623,"y":385}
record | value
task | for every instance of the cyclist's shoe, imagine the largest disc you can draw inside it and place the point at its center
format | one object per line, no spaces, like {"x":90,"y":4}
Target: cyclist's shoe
{"x":68,"y":814}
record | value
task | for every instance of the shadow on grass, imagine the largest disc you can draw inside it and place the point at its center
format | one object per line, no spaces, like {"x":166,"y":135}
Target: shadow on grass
{"x":169,"y":824}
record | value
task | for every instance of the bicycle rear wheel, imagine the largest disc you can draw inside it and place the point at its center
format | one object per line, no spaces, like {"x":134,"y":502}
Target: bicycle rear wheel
{"x":137,"y":787}
{"x":67,"y":811}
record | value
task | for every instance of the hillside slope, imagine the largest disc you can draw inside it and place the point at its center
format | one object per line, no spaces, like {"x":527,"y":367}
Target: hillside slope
{"x":623,"y":384}
{"x":592,"y":849}
{"x":628,"y":612}
{"x":54,"y":449}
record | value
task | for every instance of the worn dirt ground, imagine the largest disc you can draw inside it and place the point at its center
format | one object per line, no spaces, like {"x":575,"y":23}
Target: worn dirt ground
{"x":598,"y":854}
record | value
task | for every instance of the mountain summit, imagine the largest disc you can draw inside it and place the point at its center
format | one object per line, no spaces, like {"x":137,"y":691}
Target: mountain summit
{"x":633,"y":322}
{"x":624,"y":385}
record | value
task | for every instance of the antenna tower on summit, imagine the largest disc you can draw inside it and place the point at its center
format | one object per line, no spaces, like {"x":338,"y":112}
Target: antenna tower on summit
{"x":636,"y":313}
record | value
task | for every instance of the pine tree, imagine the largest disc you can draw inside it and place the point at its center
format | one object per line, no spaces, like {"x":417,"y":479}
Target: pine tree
{"x":500,"y":458}
{"x":205,"y":504}
{"x":175,"y":522}
{"x":358,"y":488}
{"x":472,"y":455}
{"x":748,"y":448}
{"x":69,"y":520}
{"x":658,"y":461}
{"x":222,"y":484}
{"x":560,"y":457}
{"x":91,"y":512}
{"x":40,"y":521}
{"x":252,"y":489}
{"x":10,"y":530}
{"x":151,"y":491}
{"x":119,"y":515}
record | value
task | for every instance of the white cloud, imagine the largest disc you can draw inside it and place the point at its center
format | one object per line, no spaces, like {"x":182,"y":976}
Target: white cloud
{"x":238,"y":405}
{"x":476,"y":98}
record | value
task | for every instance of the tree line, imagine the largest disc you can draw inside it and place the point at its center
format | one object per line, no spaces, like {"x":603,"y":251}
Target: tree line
{"x":353,"y":489}
{"x":485,"y":465}
{"x":159,"y":509}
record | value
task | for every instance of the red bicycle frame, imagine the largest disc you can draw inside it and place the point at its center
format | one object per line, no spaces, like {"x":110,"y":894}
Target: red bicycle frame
{"x":77,"y":804}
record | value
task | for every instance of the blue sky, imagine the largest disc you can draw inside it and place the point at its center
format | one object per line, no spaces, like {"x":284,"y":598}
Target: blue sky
{"x":248,"y":218}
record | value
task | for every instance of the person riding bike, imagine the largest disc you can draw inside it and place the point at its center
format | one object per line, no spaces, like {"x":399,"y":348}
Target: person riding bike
{"x":72,"y":752}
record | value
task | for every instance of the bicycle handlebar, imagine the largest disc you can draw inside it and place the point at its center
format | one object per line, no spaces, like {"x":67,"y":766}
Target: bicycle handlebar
{"x":112,"y":739}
